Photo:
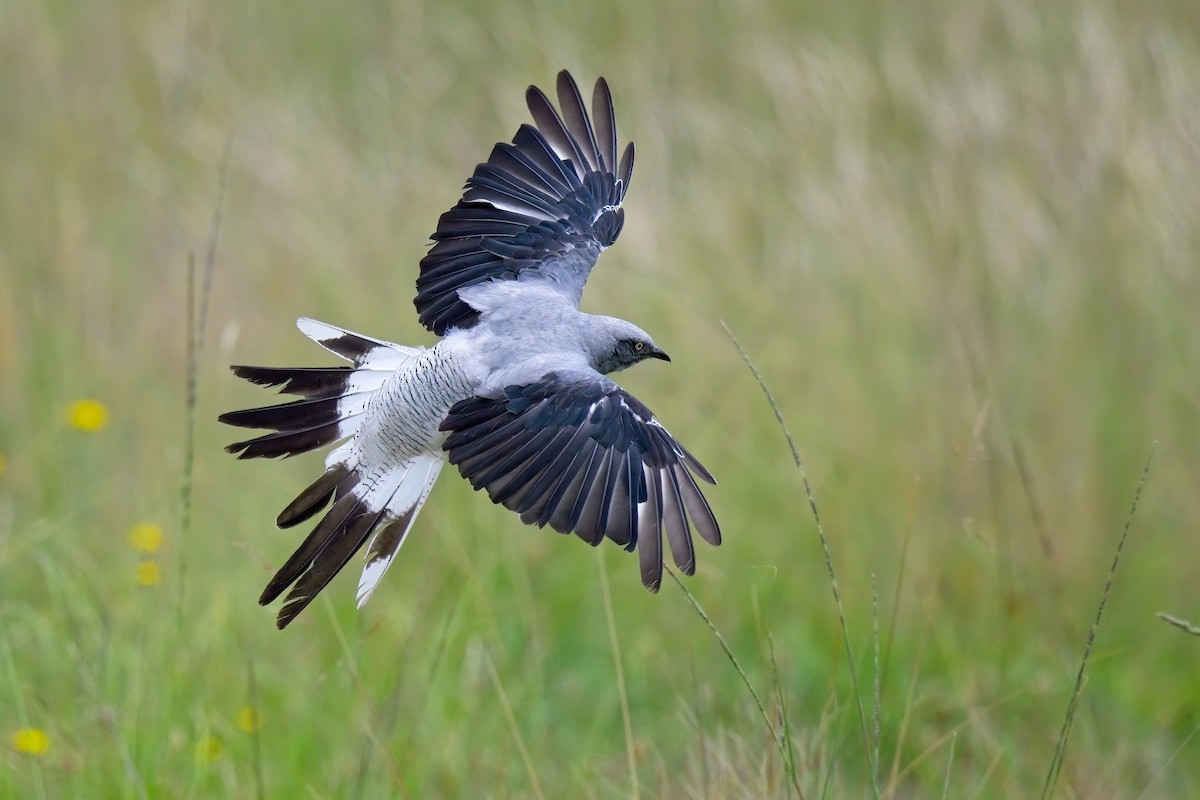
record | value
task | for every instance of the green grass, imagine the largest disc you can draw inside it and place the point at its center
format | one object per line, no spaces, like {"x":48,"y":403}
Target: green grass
{"x":958,"y":239}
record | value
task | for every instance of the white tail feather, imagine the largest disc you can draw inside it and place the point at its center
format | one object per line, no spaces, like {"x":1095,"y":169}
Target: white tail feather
{"x":375,"y":361}
{"x":406,"y":501}
{"x":366,"y":352}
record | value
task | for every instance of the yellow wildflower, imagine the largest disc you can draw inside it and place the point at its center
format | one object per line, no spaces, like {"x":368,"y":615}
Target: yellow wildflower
{"x":208,"y":748}
{"x":247,"y":719}
{"x":146,"y":537}
{"x":30,"y":741}
{"x":146,"y":573}
{"x":87,"y":415}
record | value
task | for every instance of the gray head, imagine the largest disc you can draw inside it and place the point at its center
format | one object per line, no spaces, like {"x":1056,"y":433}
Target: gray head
{"x":613,"y":344}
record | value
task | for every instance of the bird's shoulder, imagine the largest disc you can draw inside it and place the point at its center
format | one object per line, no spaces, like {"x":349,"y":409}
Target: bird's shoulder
{"x":536,"y":297}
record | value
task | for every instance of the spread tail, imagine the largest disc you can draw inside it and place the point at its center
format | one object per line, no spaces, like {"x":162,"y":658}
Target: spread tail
{"x":380,"y":503}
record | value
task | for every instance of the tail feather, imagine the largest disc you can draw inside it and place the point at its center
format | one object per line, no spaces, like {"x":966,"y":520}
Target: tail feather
{"x":299,"y":413}
{"x":367,"y":504}
{"x":363,"y":351}
{"x":331,"y":525}
{"x":315,"y":382}
{"x":303,"y":381}
{"x":317,"y":495}
{"x":383,"y":508}
{"x":333,"y":399}
{"x":407,"y":501}
{"x":293,"y":442}
{"x":329,"y":561}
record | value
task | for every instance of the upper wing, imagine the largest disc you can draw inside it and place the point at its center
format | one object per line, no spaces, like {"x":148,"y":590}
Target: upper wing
{"x":547,"y":203}
{"x":577,"y":452}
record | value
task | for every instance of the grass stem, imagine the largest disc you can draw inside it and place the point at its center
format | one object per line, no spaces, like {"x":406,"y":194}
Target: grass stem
{"x":626,"y":720}
{"x":197,"y":322}
{"x":1182,"y":624}
{"x":949,"y":764}
{"x":833,"y":582}
{"x":1065,"y":734}
{"x":513,"y":728}
{"x":260,"y":786}
{"x":876,"y":690}
{"x":22,"y":715}
{"x":732,"y":659}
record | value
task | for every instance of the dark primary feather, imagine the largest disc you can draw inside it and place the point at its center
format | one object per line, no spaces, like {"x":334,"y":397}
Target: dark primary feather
{"x":557,"y":189}
{"x":578,"y":453}
{"x":606,"y":124}
{"x":571,"y":133}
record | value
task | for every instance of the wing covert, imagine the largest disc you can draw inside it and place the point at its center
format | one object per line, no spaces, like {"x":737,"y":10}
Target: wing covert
{"x":580,"y":454}
{"x":546,"y":204}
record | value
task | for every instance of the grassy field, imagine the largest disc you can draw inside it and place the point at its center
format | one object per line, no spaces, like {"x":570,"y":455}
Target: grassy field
{"x":958,"y":239}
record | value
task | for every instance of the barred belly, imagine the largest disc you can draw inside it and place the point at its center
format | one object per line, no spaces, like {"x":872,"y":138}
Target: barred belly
{"x":403,"y":417}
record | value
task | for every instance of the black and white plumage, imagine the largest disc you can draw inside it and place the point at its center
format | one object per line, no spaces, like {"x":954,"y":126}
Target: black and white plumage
{"x":514,"y":394}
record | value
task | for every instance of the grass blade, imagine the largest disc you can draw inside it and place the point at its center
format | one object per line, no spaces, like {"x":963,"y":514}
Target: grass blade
{"x":949,"y":764}
{"x":732,"y":659}
{"x":513,"y":728}
{"x":875,"y":688}
{"x":1171,"y":758}
{"x":260,"y":786}
{"x":22,"y":715}
{"x":785,"y":727}
{"x":1182,"y":624}
{"x":626,"y":721}
{"x":812,"y":504}
{"x":1065,"y":734}
{"x":197,"y":323}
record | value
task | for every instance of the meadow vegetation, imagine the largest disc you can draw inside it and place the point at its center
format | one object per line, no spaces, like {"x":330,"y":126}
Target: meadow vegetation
{"x":959,"y":241}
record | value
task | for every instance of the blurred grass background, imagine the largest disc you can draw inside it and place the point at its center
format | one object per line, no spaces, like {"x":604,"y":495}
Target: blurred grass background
{"x":959,"y":240}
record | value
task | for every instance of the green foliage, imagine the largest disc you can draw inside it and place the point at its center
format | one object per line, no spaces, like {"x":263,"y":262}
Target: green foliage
{"x":958,"y":239}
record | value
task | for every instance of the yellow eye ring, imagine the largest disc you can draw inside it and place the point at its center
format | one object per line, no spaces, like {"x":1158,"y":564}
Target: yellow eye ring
{"x":639,"y":346}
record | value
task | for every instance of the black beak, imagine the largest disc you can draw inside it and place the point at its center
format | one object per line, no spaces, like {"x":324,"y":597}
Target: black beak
{"x":656,"y":353}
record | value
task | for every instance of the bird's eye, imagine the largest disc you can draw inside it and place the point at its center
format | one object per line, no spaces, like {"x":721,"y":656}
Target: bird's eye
{"x":639,"y":347}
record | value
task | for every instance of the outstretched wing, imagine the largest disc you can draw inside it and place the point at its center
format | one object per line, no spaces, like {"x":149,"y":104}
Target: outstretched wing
{"x":578,"y":453}
{"x":547,"y":204}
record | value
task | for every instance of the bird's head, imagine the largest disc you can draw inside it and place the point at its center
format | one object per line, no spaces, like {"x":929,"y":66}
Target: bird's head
{"x":613,"y":344}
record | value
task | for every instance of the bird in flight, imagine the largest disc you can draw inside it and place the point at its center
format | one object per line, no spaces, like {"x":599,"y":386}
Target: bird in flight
{"x":515,"y":393}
